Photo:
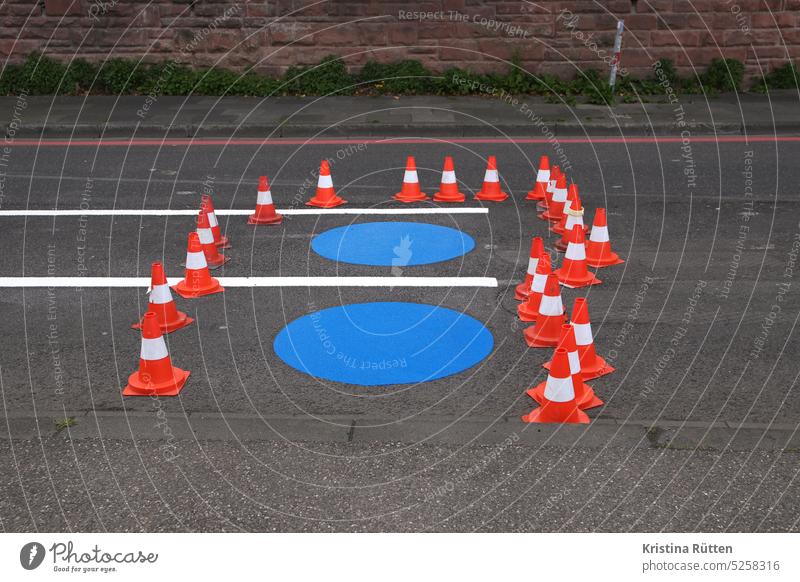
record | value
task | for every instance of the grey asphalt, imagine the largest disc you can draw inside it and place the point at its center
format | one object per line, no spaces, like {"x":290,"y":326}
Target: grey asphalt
{"x":262,"y":446}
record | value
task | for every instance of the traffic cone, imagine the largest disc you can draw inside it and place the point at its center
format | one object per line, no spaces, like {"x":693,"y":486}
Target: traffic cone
{"x":528,"y":310}
{"x":574,"y":272}
{"x":156,"y":375}
{"x":214,"y":258}
{"x":161,"y":303}
{"x":558,"y":397}
{"x":573,"y":216}
{"x":410,"y":191}
{"x":448,"y":190}
{"x":542,"y":179}
{"x":584,"y":394}
{"x":551,"y":185}
{"x":592,"y":365}
{"x":522,"y":290}
{"x":598,"y":249}
{"x":265,"y":208}
{"x":491,"y":191}
{"x":326,"y":196}
{"x":555,"y":206}
{"x":221,"y":241}
{"x":197,"y":280}
{"x":546,"y":331}
{"x":558,"y":227}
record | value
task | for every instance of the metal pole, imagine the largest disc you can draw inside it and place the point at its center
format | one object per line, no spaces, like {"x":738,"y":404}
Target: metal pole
{"x":612,"y":79}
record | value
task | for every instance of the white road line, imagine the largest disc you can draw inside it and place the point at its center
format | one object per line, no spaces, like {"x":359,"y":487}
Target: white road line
{"x":242,"y":212}
{"x":106,"y":282}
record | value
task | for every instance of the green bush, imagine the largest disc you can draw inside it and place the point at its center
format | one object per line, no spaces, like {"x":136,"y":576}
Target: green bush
{"x":402,"y":78}
{"x":784,"y":77}
{"x":327,"y":78}
{"x":724,"y":75}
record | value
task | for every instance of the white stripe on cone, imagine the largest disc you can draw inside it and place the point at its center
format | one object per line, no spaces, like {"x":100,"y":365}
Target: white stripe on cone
{"x":490,"y":176}
{"x":551,"y":306}
{"x":410,"y":177}
{"x":264,"y":198}
{"x":196,"y":261}
{"x":559,"y":194}
{"x":160,"y":294}
{"x":574,"y":362}
{"x":154,"y":349}
{"x":212,"y":219}
{"x":576,"y":252}
{"x":448,"y":177}
{"x":543,"y":176}
{"x":599,"y":234}
{"x":559,"y":389}
{"x":206,"y":236}
{"x":583,"y":333}
{"x":533,"y":262}
{"x":551,"y":185}
{"x":325,"y":182}
{"x":538,"y":283}
{"x":572,"y":220}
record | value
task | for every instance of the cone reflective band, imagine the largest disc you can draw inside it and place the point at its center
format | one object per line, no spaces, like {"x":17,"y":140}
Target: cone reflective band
{"x":528,"y":310}
{"x":551,"y":186}
{"x":491,"y":192}
{"x":574,"y":272}
{"x":197,"y":278}
{"x":265,"y":208}
{"x":156,"y":375}
{"x":598,"y":249}
{"x":555,"y":206}
{"x":542,"y":179}
{"x":573,"y":215}
{"x":161,"y":303}
{"x":558,"y":396}
{"x":214,"y":258}
{"x":448,"y":189}
{"x":410,"y":191}
{"x":221,"y":241}
{"x":558,"y":227}
{"x":584,"y":395}
{"x":522,"y":290}
{"x":547,"y":329}
{"x":592,"y":365}
{"x":325,"y":196}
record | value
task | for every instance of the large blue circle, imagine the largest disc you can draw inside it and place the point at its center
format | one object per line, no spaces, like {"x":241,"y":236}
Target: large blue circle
{"x":376,"y":344}
{"x":392,"y":244}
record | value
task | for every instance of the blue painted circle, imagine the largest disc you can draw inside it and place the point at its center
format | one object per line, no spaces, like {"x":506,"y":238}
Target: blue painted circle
{"x":392,"y":244}
{"x":376,"y":344}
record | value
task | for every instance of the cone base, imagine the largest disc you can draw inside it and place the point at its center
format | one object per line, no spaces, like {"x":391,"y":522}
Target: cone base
{"x":526,"y":313}
{"x":550,"y":216}
{"x":542,"y":205}
{"x":590,"y":400}
{"x":576,"y":283}
{"x":138,"y":387}
{"x":608,"y":261}
{"x":522,"y":291}
{"x":537,"y":339}
{"x":187,"y":292}
{"x":542,"y":415}
{"x":501,"y":197}
{"x":439,"y":197}
{"x":274,"y":219}
{"x":330,"y":203}
{"x":596,"y":370}
{"x":532,"y":195}
{"x":216,"y":264}
{"x":223,"y":243}
{"x":182,"y":321}
{"x":407,"y":198}
{"x":537,"y":392}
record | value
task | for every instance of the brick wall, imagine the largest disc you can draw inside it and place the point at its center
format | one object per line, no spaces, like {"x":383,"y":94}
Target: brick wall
{"x":549,"y":36}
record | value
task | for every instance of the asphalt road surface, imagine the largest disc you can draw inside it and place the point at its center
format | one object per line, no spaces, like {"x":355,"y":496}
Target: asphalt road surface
{"x":699,"y":425}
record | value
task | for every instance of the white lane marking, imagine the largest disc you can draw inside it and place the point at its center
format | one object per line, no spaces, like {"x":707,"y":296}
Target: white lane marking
{"x":105,"y":282}
{"x":240,"y":211}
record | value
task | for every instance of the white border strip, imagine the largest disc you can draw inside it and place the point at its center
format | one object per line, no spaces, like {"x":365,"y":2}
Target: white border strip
{"x":241,"y":212}
{"x":106,"y":282}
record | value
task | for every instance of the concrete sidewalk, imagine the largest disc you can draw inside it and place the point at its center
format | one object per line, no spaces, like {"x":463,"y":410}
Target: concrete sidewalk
{"x":431,"y":116}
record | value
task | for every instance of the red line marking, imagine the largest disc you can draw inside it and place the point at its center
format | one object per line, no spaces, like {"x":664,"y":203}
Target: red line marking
{"x":391,"y":141}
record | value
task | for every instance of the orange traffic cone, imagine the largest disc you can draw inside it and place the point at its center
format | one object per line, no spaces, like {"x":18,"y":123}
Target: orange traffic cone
{"x":410,"y":191}
{"x":265,"y":208}
{"x":555,"y":206}
{"x":448,"y":190}
{"x":197,"y":279}
{"x":528,"y":310}
{"x":214,"y":258}
{"x":558,"y":227}
{"x":219,"y":240}
{"x":574,"y":272}
{"x":584,"y":394}
{"x":558,"y":397}
{"x":161,"y":303}
{"x":551,"y":185}
{"x":542,"y":179}
{"x":598,"y":249}
{"x":592,"y":365}
{"x":522,"y":290}
{"x":156,"y":375}
{"x":326,"y":196}
{"x":573,"y":215}
{"x":546,"y":331}
{"x":491,"y":191}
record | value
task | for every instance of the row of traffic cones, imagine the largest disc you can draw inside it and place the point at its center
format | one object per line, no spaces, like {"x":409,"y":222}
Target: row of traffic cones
{"x":448,"y":188}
